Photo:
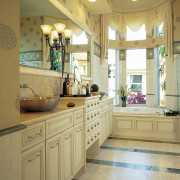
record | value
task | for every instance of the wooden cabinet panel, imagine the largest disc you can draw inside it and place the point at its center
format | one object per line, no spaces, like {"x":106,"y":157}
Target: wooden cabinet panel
{"x":78,"y":147}
{"x":78,"y":116}
{"x":58,"y":124}
{"x":33,"y":135}
{"x":53,"y":158}
{"x":33,"y":163}
{"x":67,"y":154}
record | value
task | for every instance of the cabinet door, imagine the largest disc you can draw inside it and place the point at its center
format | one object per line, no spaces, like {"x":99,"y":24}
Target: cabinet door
{"x":110,"y":120}
{"x":53,"y":158}
{"x":101,"y":129}
{"x":67,"y":154}
{"x":33,"y":163}
{"x":78,"y":147}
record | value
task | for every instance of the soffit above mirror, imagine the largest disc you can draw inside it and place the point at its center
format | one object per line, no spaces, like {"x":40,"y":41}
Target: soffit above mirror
{"x":29,"y":8}
{"x":121,"y":6}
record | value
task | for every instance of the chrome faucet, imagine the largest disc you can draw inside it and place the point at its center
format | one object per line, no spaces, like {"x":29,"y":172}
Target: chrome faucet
{"x":27,"y":86}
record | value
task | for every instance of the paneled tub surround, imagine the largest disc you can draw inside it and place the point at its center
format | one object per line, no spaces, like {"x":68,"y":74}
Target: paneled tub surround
{"x":146,"y":124}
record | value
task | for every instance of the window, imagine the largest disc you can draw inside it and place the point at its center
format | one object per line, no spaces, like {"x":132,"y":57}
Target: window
{"x":82,"y":39}
{"x":136,"y":75}
{"x":112,"y":34}
{"x":136,"y":83}
{"x":162,"y":75}
{"x":111,"y":72}
{"x":136,"y":35}
{"x":158,"y":31}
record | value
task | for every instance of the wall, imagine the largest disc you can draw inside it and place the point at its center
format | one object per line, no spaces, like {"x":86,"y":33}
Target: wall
{"x":9,"y":63}
{"x":176,"y":73}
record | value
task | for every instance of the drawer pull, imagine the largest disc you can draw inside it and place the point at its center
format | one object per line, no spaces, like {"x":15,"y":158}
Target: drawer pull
{"x":95,"y":125}
{"x":95,"y":136}
{"x":87,"y":105}
{"x":92,"y":139}
{"x":95,"y":115}
{"x":79,"y":130}
{"x":97,"y":102}
{"x":87,"y":118}
{"x":68,"y":137}
{"x":98,"y":133}
{"x":35,"y":157}
{"x":88,"y":142}
{"x":91,"y":104}
{"x":88,"y":130}
{"x":92,"y":127}
{"x":52,"y":147}
{"x":94,"y":103}
{"x":34,"y":136}
{"x":91,"y":116}
{"x":79,"y":117}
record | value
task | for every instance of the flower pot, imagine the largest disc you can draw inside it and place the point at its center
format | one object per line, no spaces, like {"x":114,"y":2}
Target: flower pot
{"x":123,"y":102}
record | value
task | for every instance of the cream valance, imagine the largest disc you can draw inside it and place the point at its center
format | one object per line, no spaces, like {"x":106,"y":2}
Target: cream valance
{"x":151,"y":18}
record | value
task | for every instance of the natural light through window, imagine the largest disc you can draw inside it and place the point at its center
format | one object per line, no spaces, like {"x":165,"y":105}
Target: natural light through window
{"x":112,"y":34}
{"x":111,"y":72}
{"x":136,"y":35}
{"x":82,"y":39}
{"x":136,"y":75}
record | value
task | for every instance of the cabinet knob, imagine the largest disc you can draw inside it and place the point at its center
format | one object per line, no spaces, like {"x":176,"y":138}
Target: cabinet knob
{"x":88,"y":130}
{"x":88,"y":142}
{"x":91,"y":116}
{"x":95,"y":125}
{"x":91,"y":104}
{"x":92,"y":127}
{"x":52,"y":147}
{"x":87,"y":118}
{"x":92,"y":139}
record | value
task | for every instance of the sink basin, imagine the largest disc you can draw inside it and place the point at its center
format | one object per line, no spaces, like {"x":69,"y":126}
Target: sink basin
{"x":38,"y":104}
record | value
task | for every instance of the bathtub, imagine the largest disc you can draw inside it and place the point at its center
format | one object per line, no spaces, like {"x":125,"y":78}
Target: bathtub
{"x":138,"y":111}
{"x":145,"y":122}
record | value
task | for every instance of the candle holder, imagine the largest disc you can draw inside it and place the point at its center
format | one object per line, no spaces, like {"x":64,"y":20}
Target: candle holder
{"x":58,"y":43}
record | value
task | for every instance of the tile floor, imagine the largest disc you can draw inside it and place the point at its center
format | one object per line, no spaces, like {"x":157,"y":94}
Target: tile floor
{"x":134,"y":159}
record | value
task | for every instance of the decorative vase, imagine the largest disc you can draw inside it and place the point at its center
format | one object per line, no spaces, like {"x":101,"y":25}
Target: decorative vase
{"x":123,"y":102}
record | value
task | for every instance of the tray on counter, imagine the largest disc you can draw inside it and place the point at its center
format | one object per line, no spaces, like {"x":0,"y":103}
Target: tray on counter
{"x":89,"y":95}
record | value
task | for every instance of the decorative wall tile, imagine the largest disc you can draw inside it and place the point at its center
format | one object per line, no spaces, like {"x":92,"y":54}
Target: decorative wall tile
{"x":177,"y":47}
{"x":31,"y":56}
{"x":122,"y":54}
{"x":97,"y":49}
{"x":150,"y":53}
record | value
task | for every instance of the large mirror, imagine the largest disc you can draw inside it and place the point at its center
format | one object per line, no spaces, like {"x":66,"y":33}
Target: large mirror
{"x":35,"y":51}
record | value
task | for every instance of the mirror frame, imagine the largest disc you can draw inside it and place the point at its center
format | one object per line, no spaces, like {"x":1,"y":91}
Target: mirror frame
{"x":42,"y":72}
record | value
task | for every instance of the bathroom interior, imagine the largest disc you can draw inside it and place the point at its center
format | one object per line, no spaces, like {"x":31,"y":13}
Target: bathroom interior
{"x":54,"y":125}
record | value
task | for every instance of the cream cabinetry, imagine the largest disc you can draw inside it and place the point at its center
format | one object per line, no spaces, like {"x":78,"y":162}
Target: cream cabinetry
{"x":78,"y":147}
{"x":67,"y":154}
{"x":53,"y":158}
{"x":54,"y":149}
{"x":105,"y":120}
{"x":33,"y":163}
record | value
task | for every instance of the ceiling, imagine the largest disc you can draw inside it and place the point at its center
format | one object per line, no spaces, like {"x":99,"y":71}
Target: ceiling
{"x":126,"y":6}
{"x":30,"y":8}
{"x":121,"y":6}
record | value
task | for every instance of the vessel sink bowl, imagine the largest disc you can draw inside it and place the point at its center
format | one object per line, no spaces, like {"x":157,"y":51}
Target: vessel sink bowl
{"x":39,"y":104}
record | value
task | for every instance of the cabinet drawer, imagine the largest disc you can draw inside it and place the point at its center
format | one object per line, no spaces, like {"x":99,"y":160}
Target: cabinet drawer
{"x":92,"y":138}
{"x":33,"y":135}
{"x":58,"y":124}
{"x":90,"y":128}
{"x":78,"y":116}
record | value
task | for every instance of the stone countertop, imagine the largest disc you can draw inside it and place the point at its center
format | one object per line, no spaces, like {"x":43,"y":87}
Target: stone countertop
{"x":29,"y":118}
{"x":105,"y":98}
{"x":12,"y":129}
{"x":146,"y":115}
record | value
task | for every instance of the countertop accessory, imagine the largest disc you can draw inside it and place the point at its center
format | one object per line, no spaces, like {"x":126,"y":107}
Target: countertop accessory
{"x":70,"y":104}
{"x":38,"y":104}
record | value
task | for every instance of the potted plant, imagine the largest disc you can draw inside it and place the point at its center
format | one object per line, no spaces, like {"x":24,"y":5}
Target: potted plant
{"x":123,"y":93}
{"x":94,"y":89}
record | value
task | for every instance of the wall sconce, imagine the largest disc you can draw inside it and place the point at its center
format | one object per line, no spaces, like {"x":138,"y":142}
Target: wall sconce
{"x":58,"y":43}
